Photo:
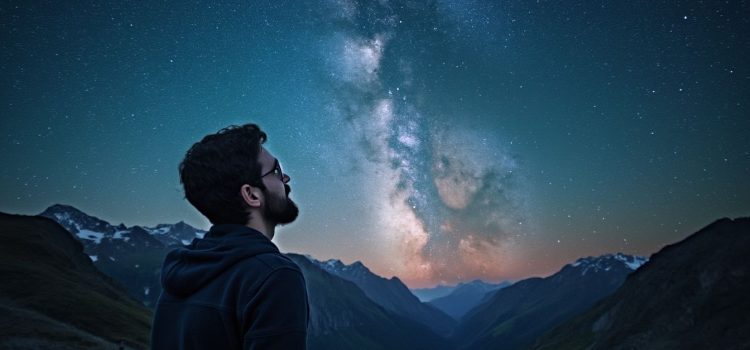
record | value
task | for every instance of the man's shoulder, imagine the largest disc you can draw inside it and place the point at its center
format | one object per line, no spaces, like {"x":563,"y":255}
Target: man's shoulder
{"x":265,"y":268}
{"x":270,"y":261}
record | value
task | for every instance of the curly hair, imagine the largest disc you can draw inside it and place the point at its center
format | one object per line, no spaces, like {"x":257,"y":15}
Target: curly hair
{"x":217,"y":166}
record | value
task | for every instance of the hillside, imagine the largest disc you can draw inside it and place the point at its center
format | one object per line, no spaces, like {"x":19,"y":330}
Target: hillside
{"x":690,"y":295}
{"x":52,"y":295}
{"x":343,"y":317}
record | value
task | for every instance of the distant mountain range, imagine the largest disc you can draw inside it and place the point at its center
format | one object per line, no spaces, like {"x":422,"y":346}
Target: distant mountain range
{"x":466,"y":296}
{"x":53,"y":297}
{"x":513,"y":317}
{"x":391,"y":294}
{"x":428,"y":294}
{"x":99,"y":235}
{"x":684,"y":287}
{"x":694,"y":294}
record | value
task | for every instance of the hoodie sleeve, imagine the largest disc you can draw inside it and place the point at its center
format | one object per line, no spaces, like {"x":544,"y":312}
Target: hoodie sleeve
{"x":276,"y":316}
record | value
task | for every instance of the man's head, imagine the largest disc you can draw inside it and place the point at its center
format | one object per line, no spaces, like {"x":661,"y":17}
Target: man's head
{"x":278,"y":208}
{"x":228,"y":176}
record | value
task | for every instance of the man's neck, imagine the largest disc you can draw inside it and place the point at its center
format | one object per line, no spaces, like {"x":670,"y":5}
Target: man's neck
{"x":262,"y":227}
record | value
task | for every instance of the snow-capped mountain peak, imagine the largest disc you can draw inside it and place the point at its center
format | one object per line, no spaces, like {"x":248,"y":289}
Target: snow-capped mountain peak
{"x":333,"y":263}
{"x":75,"y":220}
{"x":608,"y":262}
{"x":129,"y":254}
{"x":632,"y":262}
{"x":175,"y":234}
{"x":336,"y":266}
{"x":92,"y":230}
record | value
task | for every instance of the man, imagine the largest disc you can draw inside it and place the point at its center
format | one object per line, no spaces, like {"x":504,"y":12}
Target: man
{"x":233,"y":289}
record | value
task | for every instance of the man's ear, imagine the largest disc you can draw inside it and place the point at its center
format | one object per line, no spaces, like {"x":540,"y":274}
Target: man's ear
{"x":252,"y":196}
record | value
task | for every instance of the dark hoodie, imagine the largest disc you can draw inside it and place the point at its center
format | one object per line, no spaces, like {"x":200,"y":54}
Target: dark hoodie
{"x":232,"y":289}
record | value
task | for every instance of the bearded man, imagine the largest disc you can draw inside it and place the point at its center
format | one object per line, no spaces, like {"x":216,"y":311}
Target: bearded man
{"x":233,"y":289}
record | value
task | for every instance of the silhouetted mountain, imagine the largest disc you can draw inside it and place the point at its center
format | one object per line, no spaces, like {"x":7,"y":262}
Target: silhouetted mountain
{"x":391,"y":294}
{"x":130,"y":255}
{"x":465,"y":297}
{"x":428,"y":294}
{"x":515,"y":316}
{"x":343,"y":317}
{"x":690,"y":295}
{"x":53,"y":297}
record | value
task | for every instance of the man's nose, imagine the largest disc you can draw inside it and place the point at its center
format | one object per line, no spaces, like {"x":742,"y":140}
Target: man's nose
{"x":286,"y":178}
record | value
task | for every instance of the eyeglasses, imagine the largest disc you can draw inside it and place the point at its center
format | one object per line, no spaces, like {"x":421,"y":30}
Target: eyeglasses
{"x":276,"y":169}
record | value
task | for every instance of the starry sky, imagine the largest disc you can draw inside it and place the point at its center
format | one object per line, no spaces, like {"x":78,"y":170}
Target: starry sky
{"x":437,"y":141}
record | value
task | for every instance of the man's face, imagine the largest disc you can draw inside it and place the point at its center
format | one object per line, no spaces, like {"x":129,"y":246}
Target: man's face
{"x":279,"y":208}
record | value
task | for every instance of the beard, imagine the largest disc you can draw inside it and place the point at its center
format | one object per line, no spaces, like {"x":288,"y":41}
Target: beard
{"x":281,"y":210}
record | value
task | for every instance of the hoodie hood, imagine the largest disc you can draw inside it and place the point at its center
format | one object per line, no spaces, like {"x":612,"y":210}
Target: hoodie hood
{"x":189,"y":268}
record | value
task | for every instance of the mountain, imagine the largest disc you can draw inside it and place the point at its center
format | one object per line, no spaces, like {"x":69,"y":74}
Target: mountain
{"x":428,"y":294}
{"x":131,"y":255}
{"x":174,"y":235}
{"x":392,"y":294}
{"x":465,"y":297}
{"x":99,"y":235}
{"x":52,"y":295}
{"x":690,"y":295}
{"x":343,"y":317}
{"x":515,"y":316}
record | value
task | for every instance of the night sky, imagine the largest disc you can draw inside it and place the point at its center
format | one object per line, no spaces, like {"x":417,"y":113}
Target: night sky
{"x":435,"y":141}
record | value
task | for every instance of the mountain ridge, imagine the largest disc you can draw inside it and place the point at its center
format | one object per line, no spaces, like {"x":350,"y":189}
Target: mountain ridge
{"x":391,"y":294}
{"x":343,"y":317}
{"x":705,"y":307}
{"x":131,"y":254}
{"x":514,"y":316}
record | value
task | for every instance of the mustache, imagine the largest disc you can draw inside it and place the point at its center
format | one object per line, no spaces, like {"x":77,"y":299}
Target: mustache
{"x":287,"y":188}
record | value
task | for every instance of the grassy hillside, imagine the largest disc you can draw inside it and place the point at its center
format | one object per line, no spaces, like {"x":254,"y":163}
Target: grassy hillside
{"x":54,"y":295}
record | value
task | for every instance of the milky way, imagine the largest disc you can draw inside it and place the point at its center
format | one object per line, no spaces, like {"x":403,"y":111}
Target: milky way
{"x":447,"y":197}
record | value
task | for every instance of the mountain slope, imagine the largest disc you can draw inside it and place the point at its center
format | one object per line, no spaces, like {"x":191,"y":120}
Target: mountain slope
{"x":343,"y":317}
{"x":692,"y":294}
{"x":52,"y":295}
{"x":130,"y":255}
{"x":515,"y":316}
{"x":392,"y":294}
{"x":465,"y":297}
